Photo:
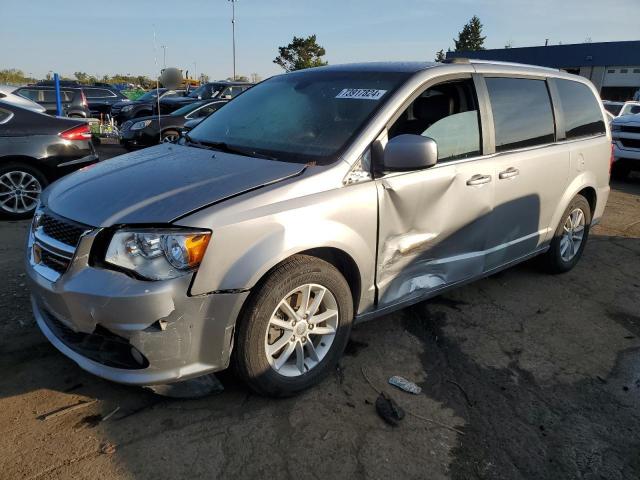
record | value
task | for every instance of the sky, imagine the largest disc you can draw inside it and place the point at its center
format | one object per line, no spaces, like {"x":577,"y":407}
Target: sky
{"x":116,"y":36}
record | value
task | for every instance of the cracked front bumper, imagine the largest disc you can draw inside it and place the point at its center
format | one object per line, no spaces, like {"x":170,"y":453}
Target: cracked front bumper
{"x":133,"y":331}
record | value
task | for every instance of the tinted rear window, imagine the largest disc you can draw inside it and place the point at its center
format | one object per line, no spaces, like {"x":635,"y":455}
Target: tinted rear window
{"x":582,"y":114}
{"x":522,"y":112}
{"x":98,"y":93}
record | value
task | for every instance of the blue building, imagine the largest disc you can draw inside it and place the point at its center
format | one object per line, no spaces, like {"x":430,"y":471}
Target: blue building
{"x":613,"y":67}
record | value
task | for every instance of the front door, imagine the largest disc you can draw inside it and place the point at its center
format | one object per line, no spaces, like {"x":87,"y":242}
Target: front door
{"x":433,"y":223}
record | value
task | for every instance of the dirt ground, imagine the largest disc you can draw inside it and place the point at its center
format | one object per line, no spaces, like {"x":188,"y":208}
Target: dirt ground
{"x":540,"y":374}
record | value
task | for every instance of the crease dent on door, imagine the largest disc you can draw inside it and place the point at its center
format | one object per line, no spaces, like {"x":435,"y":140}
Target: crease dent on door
{"x":419,"y":222}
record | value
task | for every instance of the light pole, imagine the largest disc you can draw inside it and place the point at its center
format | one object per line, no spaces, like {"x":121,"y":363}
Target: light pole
{"x":195,"y":70}
{"x":164,"y":56}
{"x":233,"y":30}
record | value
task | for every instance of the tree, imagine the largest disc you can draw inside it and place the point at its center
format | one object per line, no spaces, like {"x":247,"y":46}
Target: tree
{"x":440,"y":56}
{"x":239,"y":78}
{"x":300,"y":53}
{"x":470,"y":38}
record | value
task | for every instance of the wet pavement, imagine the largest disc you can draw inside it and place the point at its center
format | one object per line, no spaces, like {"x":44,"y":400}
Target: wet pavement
{"x":540,"y":374}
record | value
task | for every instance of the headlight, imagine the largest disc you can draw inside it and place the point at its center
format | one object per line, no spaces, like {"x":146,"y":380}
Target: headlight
{"x":127,"y":108}
{"x":158,"y":254}
{"x":140,"y":125}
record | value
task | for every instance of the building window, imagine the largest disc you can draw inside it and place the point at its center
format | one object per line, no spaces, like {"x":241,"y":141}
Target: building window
{"x":611,"y":70}
{"x":624,"y":70}
{"x":636,"y":70}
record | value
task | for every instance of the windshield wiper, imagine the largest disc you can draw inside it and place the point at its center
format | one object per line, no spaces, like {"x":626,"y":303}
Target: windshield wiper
{"x":225,"y":147}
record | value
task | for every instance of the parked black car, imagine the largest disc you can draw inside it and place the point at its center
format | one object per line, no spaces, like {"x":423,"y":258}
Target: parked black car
{"x":100,"y":99}
{"x":36,"y":149}
{"x":74,"y":101}
{"x":221,"y":90}
{"x":141,"y":107}
{"x":147,"y":131}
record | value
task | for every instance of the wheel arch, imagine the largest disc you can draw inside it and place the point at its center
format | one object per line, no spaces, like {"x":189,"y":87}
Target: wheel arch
{"x":584,"y":185}
{"x":30,"y":162}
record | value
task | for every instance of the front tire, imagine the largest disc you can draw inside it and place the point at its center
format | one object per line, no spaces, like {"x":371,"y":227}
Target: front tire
{"x":169,"y":136}
{"x":570,"y":237}
{"x":20,"y":188}
{"x":294,"y":327}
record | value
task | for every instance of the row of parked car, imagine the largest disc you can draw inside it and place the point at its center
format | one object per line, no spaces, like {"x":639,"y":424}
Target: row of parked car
{"x":625,"y":134}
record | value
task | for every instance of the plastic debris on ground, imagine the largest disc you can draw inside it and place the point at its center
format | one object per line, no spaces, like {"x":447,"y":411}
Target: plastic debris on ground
{"x":404,"y":384}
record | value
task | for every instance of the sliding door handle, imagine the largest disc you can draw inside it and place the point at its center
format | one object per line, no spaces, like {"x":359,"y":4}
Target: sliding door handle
{"x":478,"y":180}
{"x":509,"y":173}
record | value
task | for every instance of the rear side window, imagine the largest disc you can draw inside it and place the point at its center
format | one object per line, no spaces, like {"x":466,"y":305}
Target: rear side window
{"x":98,"y":93}
{"x":50,"y":95}
{"x":522,"y":112}
{"x":30,"y":94}
{"x":582,"y":114}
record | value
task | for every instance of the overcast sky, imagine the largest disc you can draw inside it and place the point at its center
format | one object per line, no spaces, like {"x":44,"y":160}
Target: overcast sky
{"x":116,"y":36}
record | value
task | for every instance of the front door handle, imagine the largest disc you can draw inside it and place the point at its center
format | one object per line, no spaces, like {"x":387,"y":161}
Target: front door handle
{"x":509,"y":173}
{"x":478,"y":180}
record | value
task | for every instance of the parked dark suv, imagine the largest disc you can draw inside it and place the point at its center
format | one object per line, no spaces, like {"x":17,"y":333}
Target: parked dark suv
{"x":101,"y":98}
{"x":141,"y":107}
{"x":74,"y":100}
{"x":222,"y":90}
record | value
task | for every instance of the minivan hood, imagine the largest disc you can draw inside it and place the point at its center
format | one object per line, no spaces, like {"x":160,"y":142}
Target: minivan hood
{"x":159,"y":185}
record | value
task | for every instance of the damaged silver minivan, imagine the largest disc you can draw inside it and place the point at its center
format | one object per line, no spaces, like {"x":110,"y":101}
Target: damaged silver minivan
{"x":314,"y":200}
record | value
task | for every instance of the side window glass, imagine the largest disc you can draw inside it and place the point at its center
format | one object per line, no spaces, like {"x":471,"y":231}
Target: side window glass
{"x":447,"y":113}
{"x":522,"y":114}
{"x":581,"y":111}
{"x":30,"y":94}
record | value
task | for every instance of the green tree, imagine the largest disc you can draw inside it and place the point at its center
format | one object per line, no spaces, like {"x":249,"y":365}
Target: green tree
{"x":300,"y":53}
{"x":440,"y":56}
{"x":470,"y":38}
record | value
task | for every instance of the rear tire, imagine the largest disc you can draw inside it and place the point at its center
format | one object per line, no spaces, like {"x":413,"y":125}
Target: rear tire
{"x":20,"y":188}
{"x":275,"y":314}
{"x":570,"y":237}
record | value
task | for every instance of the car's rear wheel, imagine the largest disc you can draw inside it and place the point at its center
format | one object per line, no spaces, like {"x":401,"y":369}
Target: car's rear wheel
{"x":570,"y":237}
{"x":169,"y":136}
{"x":20,"y":188}
{"x":294,"y":327}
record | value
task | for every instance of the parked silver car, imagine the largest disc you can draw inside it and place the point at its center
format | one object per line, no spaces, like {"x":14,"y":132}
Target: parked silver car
{"x":315,"y":199}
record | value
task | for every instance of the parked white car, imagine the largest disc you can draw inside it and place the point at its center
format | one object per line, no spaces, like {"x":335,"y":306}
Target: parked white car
{"x":7,"y":95}
{"x":625,"y":131}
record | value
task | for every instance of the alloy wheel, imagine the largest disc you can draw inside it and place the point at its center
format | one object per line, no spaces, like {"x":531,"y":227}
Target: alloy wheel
{"x":169,"y":138}
{"x":19,"y":191}
{"x":301,"y":330}
{"x":572,"y":235}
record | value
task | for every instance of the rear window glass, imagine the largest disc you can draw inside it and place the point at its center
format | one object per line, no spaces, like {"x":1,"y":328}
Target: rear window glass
{"x":522,"y":112}
{"x":581,"y":110}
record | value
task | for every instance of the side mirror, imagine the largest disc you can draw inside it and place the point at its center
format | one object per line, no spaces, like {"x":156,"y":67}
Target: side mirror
{"x":410,"y":152}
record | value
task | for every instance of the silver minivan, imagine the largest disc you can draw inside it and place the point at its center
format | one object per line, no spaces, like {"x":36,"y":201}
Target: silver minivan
{"x":314,"y":200}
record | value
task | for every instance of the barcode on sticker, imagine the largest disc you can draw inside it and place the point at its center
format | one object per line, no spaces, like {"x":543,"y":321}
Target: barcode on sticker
{"x":361,"y":93}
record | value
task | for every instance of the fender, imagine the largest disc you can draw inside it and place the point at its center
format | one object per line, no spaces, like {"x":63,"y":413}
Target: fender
{"x":580,"y":182}
{"x":241,"y":252}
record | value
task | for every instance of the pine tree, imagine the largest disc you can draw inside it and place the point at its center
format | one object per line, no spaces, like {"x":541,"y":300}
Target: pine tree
{"x":470,"y":38}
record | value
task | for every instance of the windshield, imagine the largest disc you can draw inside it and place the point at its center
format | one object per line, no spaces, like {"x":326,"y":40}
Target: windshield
{"x":300,"y":117}
{"x":201,"y":90}
{"x":182,"y":111}
{"x":150,"y":95}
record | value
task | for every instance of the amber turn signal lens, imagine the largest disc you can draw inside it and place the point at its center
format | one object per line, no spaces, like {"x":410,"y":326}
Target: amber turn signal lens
{"x":196,"y":245}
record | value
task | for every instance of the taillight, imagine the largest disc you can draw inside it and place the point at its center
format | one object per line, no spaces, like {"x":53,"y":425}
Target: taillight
{"x":611,"y":159}
{"x":81,"y":132}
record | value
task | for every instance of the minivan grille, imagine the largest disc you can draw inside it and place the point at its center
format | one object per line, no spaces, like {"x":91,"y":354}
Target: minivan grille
{"x":61,"y":230}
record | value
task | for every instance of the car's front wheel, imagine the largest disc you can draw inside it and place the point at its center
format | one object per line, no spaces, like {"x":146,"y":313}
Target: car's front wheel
{"x":294,"y":327}
{"x":169,"y":136}
{"x":20,"y":188}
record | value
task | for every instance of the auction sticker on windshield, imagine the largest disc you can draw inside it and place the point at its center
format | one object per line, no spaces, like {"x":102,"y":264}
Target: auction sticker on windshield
{"x":361,"y":93}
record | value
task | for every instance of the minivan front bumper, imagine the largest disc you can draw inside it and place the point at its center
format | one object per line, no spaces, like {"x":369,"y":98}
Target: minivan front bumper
{"x":129,"y":330}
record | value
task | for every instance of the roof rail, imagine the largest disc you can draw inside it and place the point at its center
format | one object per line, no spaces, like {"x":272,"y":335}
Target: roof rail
{"x":456,"y":60}
{"x":510,"y":64}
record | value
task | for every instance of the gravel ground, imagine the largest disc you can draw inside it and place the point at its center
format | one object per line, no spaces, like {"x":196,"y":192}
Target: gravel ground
{"x":538,"y":373}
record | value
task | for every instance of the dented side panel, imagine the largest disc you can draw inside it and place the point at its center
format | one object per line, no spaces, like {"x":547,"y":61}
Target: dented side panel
{"x":432,"y":229}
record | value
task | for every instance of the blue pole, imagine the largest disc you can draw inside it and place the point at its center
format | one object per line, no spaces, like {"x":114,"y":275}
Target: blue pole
{"x":56,"y":79}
